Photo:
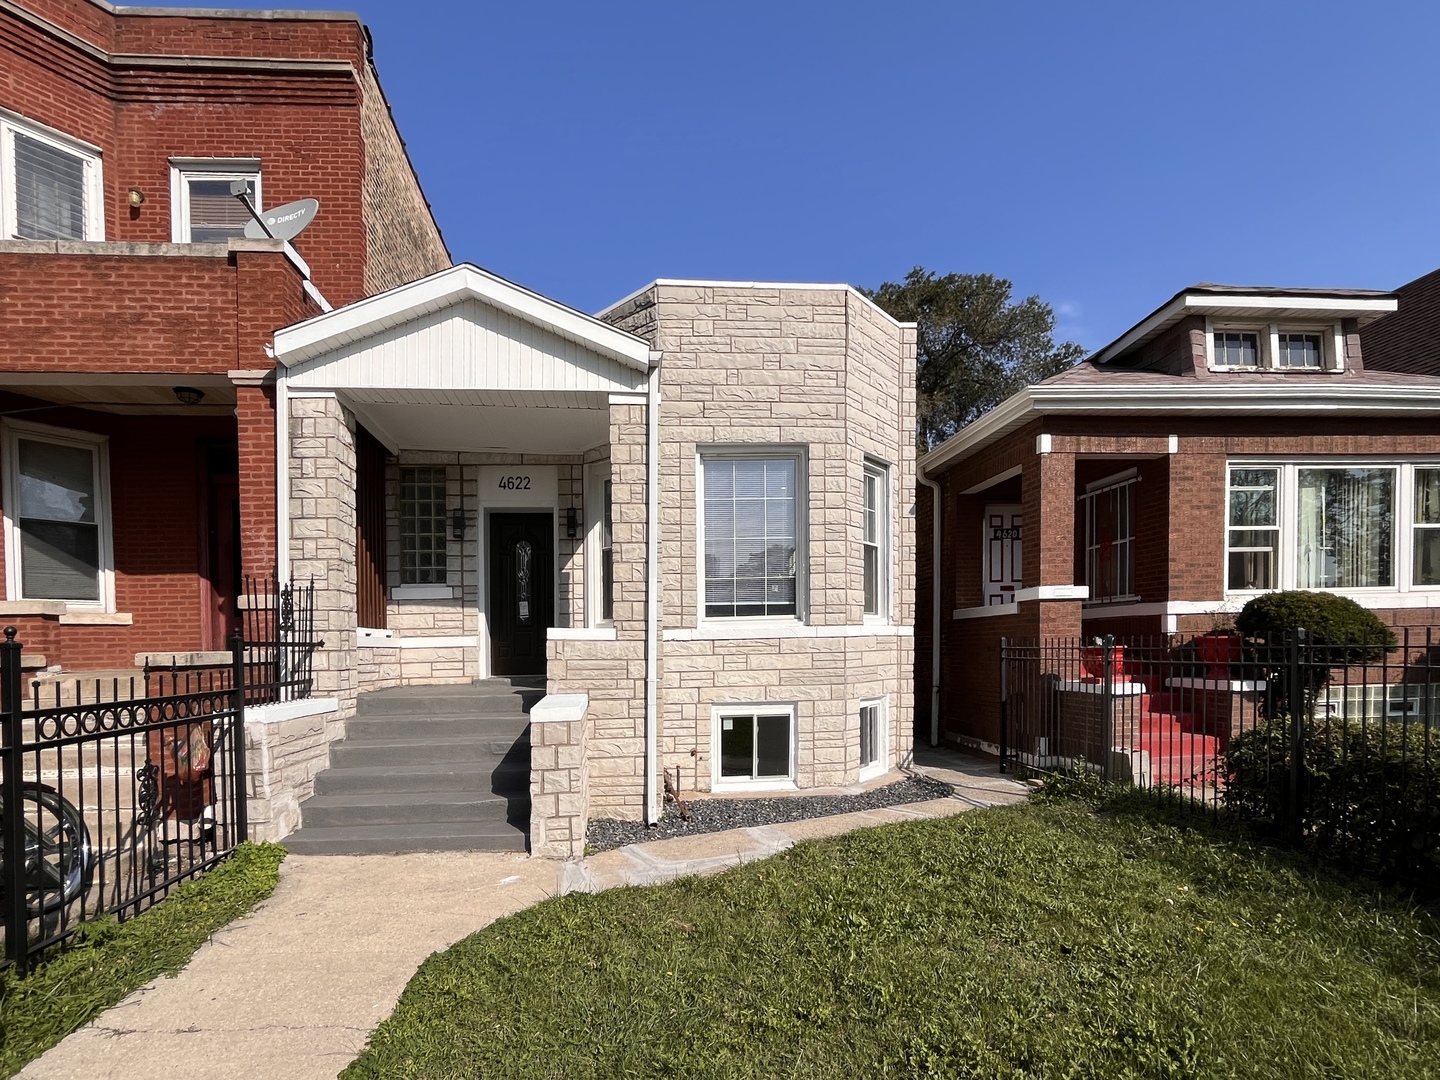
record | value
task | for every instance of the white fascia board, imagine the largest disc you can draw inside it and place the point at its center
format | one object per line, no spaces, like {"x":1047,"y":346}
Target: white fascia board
{"x":1141,"y":330}
{"x":302,"y":341}
{"x":1288,"y":398}
{"x":1330,"y":305}
{"x":1005,"y":417}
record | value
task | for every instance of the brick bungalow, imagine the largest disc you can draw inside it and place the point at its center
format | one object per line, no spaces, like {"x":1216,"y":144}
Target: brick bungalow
{"x":137,"y":420}
{"x":1233,"y":441}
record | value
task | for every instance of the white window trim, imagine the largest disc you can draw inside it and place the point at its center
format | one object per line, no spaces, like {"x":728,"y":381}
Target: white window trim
{"x":1403,"y":524}
{"x":596,"y":473}
{"x":882,"y":732}
{"x":90,"y":155}
{"x":186,"y":169}
{"x":731,"y":451}
{"x":885,"y":514}
{"x":11,"y":431}
{"x":1332,"y":341}
{"x":769,"y":783}
{"x":1127,"y":477}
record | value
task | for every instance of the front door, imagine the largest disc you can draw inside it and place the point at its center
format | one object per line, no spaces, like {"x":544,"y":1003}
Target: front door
{"x":522,"y":591}
{"x":1003,"y":544}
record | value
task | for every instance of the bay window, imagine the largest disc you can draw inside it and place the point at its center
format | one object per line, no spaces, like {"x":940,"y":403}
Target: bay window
{"x":1332,"y":526}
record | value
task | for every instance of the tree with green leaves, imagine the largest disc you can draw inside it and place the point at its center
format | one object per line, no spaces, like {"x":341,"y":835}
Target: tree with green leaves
{"x":976,"y":346}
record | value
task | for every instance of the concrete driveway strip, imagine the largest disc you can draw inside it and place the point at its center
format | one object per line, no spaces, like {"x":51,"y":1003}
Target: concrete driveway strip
{"x":293,"y":990}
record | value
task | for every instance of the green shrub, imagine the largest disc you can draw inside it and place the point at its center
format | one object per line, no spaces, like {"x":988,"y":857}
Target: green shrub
{"x":1352,"y":634}
{"x":1369,"y":792}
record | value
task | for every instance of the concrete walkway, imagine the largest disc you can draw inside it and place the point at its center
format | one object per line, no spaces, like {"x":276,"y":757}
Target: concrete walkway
{"x":294,"y":989}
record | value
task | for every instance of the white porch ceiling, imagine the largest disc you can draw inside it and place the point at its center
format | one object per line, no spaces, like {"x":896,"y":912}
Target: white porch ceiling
{"x":520,"y":429}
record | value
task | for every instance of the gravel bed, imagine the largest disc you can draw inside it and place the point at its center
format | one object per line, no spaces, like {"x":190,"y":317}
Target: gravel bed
{"x":714,"y":815}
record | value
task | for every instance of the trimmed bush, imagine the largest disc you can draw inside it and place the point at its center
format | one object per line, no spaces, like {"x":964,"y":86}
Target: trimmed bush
{"x":1370,"y":791}
{"x":1353,"y":634}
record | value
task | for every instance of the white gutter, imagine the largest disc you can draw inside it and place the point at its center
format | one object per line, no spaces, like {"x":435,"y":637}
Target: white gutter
{"x":936,"y":565}
{"x":652,"y":590}
{"x":282,"y":476}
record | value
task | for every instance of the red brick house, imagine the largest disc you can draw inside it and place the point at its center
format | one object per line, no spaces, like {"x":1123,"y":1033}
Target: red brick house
{"x":1233,"y":441}
{"x":137,"y":422}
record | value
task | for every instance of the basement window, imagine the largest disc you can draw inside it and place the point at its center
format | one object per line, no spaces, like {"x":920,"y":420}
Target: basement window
{"x":754,"y":746}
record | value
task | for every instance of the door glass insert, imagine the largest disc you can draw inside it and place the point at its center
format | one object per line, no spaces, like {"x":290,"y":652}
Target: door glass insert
{"x":522,"y":580}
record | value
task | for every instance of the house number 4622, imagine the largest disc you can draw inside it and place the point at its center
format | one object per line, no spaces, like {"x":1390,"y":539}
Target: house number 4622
{"x":514,"y":483}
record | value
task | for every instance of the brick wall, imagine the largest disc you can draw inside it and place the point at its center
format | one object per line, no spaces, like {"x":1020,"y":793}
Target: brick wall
{"x":320,"y":127}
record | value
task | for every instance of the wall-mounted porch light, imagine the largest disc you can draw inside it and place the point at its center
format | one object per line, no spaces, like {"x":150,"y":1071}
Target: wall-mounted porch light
{"x":457,"y":523}
{"x":572,"y":523}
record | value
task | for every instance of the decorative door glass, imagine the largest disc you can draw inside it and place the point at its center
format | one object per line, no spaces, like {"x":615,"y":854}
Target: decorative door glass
{"x":522,"y":580}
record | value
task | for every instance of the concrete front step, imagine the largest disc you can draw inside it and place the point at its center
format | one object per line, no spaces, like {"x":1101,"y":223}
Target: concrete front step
{"x":408,"y":808}
{"x":489,"y":697}
{"x":367,"y":728}
{"x":401,"y":839}
{"x":457,"y":776}
{"x":455,"y":749}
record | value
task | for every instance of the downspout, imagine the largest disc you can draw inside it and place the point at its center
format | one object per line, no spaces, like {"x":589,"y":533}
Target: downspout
{"x":652,"y":589}
{"x":936,"y":565}
{"x":282,"y":475}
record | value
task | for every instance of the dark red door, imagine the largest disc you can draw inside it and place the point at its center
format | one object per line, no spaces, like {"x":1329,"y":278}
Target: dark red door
{"x":522,"y":591}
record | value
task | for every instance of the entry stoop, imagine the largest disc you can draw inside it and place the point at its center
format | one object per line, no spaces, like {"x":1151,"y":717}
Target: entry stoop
{"x":426,"y":768}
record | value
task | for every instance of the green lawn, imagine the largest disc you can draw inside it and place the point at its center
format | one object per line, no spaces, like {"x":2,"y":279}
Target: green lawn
{"x":1041,"y":941}
{"x":110,"y":960}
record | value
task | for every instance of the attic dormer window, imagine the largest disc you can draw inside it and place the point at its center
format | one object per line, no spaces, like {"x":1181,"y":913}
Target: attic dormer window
{"x":1275,"y":347}
{"x":1299,"y":351}
{"x":1236,"y":348}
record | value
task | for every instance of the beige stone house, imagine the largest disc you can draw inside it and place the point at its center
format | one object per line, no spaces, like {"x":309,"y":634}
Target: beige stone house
{"x":691,"y":517}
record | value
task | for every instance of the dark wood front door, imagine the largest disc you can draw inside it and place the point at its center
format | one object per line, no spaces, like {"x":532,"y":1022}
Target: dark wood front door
{"x":522,"y":591}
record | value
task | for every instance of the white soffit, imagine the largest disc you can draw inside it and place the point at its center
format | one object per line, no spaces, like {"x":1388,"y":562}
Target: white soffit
{"x":461,"y":329}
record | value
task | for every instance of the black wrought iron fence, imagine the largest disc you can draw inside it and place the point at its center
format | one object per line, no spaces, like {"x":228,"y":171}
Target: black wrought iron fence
{"x":113,"y":794}
{"x":277,"y":623}
{"x":1332,"y":746}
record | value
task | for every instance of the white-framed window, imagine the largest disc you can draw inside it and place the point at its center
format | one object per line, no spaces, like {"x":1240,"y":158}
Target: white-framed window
{"x":57,"y":516}
{"x":600,"y":545}
{"x":424,"y":528}
{"x":202,"y":209}
{"x":1275,"y":346}
{"x":1108,"y":507}
{"x":752,"y":532}
{"x":1358,"y":525}
{"x":874,"y":756}
{"x":753,"y":746}
{"x":51,"y":186}
{"x":875,"y":539}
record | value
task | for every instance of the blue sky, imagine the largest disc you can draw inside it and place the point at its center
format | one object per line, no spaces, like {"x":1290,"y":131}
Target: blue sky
{"x":1103,"y":155}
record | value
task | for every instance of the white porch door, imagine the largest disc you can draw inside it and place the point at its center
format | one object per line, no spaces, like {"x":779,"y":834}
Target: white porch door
{"x":1002,"y":545}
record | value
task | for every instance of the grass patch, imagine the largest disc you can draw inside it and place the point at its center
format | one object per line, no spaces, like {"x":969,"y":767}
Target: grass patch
{"x":110,"y":960}
{"x":1048,"y":940}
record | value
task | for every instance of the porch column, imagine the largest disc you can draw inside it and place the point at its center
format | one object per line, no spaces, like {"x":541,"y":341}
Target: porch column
{"x":255,"y":437}
{"x":1048,"y":495}
{"x":322,"y":534}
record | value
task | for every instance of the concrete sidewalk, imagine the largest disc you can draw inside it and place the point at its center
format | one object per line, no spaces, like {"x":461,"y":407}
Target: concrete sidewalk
{"x":294,"y":989}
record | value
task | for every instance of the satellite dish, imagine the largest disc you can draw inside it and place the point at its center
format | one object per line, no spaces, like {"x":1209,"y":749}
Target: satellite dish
{"x":285,"y":222}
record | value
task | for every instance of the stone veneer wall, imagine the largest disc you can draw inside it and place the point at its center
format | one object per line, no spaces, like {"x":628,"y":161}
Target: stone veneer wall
{"x":285,"y":746}
{"x":612,"y":671}
{"x":818,"y":369}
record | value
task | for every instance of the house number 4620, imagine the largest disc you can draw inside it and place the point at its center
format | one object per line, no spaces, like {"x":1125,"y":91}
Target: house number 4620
{"x":514,"y":483}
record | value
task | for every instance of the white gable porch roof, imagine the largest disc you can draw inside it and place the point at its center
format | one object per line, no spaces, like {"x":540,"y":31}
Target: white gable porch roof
{"x":458,"y":332}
